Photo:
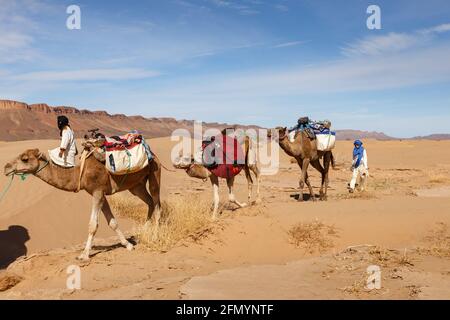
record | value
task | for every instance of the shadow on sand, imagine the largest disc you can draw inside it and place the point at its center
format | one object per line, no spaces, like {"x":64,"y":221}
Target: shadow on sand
{"x":12,"y":245}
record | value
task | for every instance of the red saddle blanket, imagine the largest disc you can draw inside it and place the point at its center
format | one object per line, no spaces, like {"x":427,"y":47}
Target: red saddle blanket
{"x":127,"y":141}
{"x":223,"y":156}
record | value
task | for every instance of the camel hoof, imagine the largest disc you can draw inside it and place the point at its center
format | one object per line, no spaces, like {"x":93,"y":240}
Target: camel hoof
{"x":83,"y":257}
{"x":129,"y":246}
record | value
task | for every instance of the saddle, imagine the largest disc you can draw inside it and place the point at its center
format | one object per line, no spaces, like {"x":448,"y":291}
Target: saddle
{"x":313,"y":128}
{"x":122,"y":154}
{"x":223,"y":156}
{"x":128,"y":141}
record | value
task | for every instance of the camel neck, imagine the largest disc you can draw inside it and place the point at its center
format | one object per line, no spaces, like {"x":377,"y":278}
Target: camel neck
{"x":58,"y":177}
{"x":287,"y":146}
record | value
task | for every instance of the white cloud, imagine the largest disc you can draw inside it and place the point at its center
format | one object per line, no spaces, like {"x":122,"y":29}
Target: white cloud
{"x":376,"y":45}
{"x":289,"y":44}
{"x":399,"y":70}
{"x":437,"y":29}
{"x":393,"y":42}
{"x":18,"y":30}
{"x":16,"y":46}
{"x":14,"y":40}
{"x":281,"y":7}
{"x":243,"y":9}
{"x":87,"y":75}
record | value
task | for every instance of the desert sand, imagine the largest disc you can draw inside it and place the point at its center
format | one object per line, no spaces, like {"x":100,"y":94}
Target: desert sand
{"x":399,"y":224}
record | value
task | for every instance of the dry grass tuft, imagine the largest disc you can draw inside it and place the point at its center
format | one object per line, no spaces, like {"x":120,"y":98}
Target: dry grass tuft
{"x":313,"y":236}
{"x":126,"y":205}
{"x":8,"y":281}
{"x":182,"y":219}
{"x":358,"y":287}
{"x":437,"y":178}
{"x":383,"y":184}
{"x":439,"y":241}
{"x":405,"y":260}
{"x":361,"y":195}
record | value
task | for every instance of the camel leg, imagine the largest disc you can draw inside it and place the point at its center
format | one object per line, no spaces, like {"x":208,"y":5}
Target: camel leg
{"x":303,"y":178}
{"x":231,"y":197}
{"x":249,"y":182}
{"x":257,"y":173}
{"x":324,"y":175}
{"x":215,"y":185}
{"x":154,"y":211}
{"x":310,"y":188}
{"x":250,"y":190}
{"x":328,"y":161}
{"x":112,"y":223}
{"x":97,"y":204}
{"x":154,"y":185}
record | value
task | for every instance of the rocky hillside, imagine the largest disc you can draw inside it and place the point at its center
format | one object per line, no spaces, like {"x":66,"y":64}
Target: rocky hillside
{"x":21,"y":121}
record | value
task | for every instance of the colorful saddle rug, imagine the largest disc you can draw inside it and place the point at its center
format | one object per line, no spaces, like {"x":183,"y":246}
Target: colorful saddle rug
{"x":223,"y":156}
{"x":126,"y":154}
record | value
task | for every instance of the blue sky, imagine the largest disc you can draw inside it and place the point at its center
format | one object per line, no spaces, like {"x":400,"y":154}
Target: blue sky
{"x":250,"y":61}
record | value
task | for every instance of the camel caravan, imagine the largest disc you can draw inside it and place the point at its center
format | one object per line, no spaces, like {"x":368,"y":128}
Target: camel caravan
{"x":109,"y":165}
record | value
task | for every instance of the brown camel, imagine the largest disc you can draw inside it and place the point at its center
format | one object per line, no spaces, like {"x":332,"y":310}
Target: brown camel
{"x":304,"y":150}
{"x":98,"y":182}
{"x":197,"y":170}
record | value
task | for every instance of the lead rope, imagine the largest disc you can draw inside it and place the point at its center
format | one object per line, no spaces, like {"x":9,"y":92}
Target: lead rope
{"x":6,"y":189}
{"x":84,"y":156}
{"x":23,"y":177}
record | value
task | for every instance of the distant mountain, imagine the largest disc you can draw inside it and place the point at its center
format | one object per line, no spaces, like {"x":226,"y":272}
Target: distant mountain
{"x":20,"y":121}
{"x":437,"y":137}
{"x":356,"y":134}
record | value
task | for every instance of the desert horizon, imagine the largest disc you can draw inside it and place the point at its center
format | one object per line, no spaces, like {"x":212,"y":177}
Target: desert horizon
{"x":43,"y":115}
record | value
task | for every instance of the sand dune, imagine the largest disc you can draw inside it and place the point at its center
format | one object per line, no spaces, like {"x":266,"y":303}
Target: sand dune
{"x":396,"y":213}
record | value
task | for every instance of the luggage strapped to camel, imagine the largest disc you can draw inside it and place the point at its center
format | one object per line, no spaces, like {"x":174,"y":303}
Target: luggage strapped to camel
{"x":223,"y":156}
{"x":126,"y":154}
{"x":319,"y":131}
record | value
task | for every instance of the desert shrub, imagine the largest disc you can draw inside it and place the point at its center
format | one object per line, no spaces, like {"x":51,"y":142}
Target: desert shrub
{"x":182,"y":218}
{"x":312,"y":236}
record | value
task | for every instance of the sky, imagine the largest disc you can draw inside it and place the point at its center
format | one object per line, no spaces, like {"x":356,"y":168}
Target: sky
{"x":251,"y":61}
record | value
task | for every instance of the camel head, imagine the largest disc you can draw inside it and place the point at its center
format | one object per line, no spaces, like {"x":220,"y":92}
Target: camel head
{"x":26,"y":162}
{"x":193,"y":169}
{"x":281,"y":133}
{"x":183,"y":162}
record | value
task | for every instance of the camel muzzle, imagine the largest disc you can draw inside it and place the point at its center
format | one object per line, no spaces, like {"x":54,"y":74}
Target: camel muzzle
{"x":9,"y":170}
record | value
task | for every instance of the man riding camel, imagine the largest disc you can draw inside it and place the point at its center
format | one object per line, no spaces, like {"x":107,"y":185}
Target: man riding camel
{"x":64,"y":155}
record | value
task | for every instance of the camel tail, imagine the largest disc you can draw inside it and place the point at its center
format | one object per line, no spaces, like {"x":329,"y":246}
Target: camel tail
{"x":162,"y":165}
{"x":333,"y":162}
{"x":246,"y":168}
